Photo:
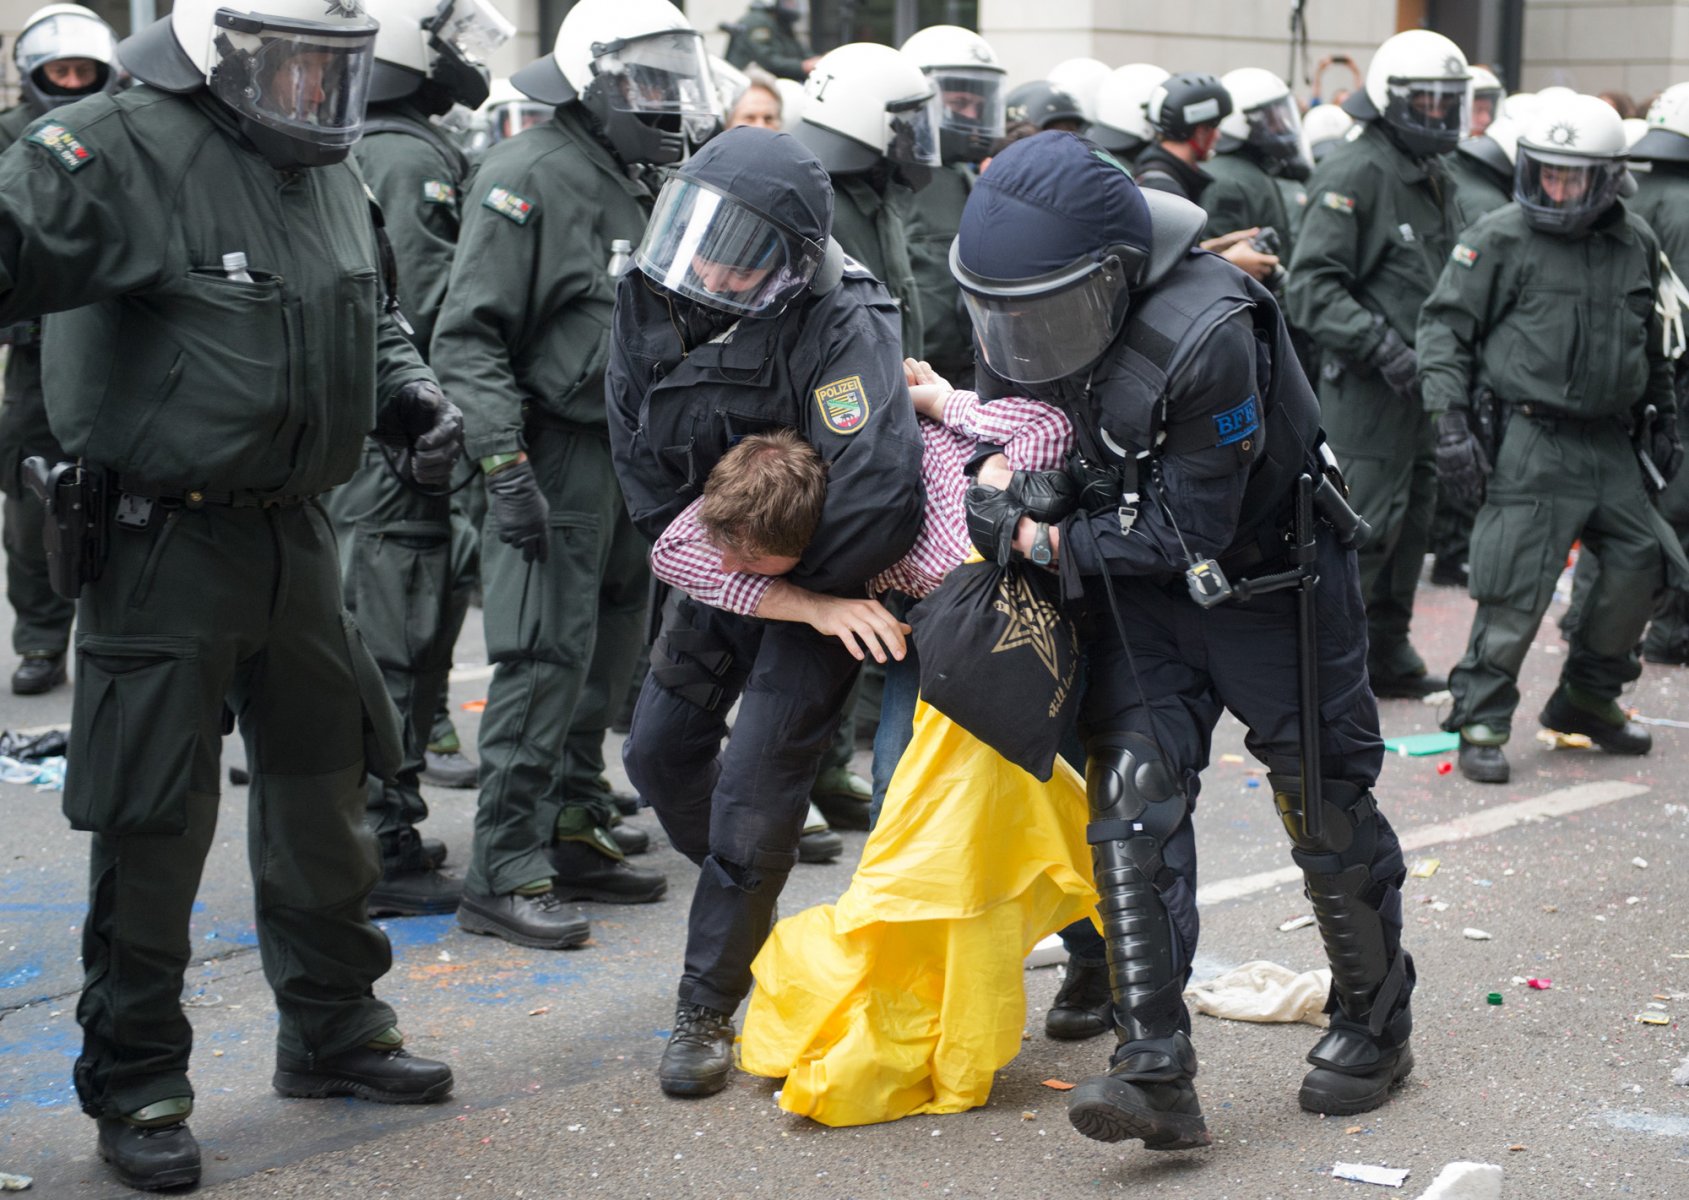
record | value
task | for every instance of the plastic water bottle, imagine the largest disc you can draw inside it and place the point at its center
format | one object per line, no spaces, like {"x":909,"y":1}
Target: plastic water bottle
{"x":621,"y":254}
{"x":234,"y":267}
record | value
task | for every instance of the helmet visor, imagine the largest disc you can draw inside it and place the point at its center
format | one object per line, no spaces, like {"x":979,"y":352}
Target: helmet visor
{"x":1564,"y":192}
{"x":512,"y":118}
{"x":665,"y":72}
{"x":473,"y":29}
{"x":1437,"y":108}
{"x":1038,"y":330}
{"x":307,"y":80}
{"x":706,"y":246}
{"x":64,"y":35}
{"x":1276,"y":128}
{"x":972,"y":99}
{"x":912,"y":130}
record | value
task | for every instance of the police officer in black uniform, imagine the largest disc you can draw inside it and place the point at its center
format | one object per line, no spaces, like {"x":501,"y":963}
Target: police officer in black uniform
{"x":1194,"y":424}
{"x":774,"y":331}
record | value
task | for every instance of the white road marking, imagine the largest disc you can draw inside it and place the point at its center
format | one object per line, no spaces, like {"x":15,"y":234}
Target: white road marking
{"x":1482,"y":823}
{"x":472,"y":674}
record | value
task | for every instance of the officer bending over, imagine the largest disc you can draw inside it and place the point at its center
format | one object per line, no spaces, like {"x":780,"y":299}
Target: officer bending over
{"x":1193,"y":422}
{"x":1549,"y":303}
{"x":744,"y":317}
{"x":231,"y":353}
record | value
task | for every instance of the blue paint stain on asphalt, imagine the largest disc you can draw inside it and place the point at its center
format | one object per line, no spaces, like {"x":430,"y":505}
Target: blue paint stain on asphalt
{"x":19,"y":975}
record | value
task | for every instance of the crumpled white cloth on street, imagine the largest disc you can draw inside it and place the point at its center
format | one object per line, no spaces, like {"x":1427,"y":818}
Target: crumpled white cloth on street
{"x":1263,"y":991}
{"x":1466,"y":1181}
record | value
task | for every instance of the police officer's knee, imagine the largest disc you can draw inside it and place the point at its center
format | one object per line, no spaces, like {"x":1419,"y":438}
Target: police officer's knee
{"x":1348,"y":831}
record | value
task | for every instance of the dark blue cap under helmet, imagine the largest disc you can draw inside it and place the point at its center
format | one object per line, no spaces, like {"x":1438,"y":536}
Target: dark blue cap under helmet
{"x":1045,"y":202}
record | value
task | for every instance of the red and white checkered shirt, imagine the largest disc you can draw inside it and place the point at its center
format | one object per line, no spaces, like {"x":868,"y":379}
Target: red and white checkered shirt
{"x":1035,"y":437}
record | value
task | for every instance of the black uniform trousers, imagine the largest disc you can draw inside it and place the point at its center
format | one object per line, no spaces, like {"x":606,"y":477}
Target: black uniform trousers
{"x":1192,"y":662}
{"x":735,"y":809}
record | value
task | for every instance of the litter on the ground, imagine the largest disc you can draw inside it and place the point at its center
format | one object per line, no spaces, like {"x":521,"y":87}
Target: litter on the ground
{"x":1467,"y":1181}
{"x":1681,"y":1076}
{"x":15,"y":1183}
{"x":47,"y":774}
{"x":1301,"y":922}
{"x":1476,"y":935}
{"x":1425,"y":868}
{"x":1263,"y":991}
{"x":1541,"y":985}
{"x":1367,"y":1173}
{"x":1047,"y":953}
{"x":1555,"y":740}
{"x":1060,"y":1085}
{"x":1494,"y":998}
{"x":1640,"y":863}
{"x":1665,"y":722}
{"x":1653,"y":1018}
{"x":1231,"y":758}
{"x":1416,"y":745}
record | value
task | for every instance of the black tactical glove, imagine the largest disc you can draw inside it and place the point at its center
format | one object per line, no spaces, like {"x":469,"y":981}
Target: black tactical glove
{"x":519,"y":509}
{"x":1663,"y":445}
{"x":1046,"y":496}
{"x":1462,"y":465}
{"x":423,"y":422}
{"x":993,"y":516}
{"x":1397,"y":365}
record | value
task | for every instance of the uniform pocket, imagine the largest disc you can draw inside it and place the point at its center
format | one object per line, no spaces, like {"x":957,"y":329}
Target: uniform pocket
{"x":384,"y":740}
{"x":545,"y":610}
{"x":1509,"y":552}
{"x":134,"y":724}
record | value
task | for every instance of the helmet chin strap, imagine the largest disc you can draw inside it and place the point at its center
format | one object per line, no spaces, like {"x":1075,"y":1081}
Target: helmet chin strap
{"x":286,"y":153}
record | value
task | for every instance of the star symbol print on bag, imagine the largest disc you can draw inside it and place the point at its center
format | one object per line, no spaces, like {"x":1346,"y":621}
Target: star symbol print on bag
{"x":1032,"y":620}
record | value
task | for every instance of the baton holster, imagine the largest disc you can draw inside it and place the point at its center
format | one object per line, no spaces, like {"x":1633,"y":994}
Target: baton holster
{"x":74,"y":528}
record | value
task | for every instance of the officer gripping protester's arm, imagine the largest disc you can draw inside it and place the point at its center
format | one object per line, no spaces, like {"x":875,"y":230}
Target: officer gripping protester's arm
{"x":1378,"y":227}
{"x":208,"y":260}
{"x":1549,"y":303}
{"x":525,"y":337}
{"x":64,"y":53}
{"x":745,"y":316}
{"x":1198,"y":465}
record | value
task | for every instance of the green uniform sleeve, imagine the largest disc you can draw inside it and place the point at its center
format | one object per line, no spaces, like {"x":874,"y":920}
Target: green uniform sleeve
{"x":81,"y":220}
{"x":1332,"y":257}
{"x":1455,"y":319}
{"x":1661,"y":391}
{"x":418,"y":194}
{"x":1227,"y":206}
{"x":775,"y":50}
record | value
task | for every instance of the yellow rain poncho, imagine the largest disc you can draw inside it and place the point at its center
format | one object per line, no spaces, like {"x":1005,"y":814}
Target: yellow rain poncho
{"x":907,"y":996}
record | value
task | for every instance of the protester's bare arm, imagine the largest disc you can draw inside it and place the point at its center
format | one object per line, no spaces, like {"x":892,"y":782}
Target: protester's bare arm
{"x":862,"y":625}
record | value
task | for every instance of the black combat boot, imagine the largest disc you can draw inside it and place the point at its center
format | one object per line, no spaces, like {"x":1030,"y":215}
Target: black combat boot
{"x":1481,"y":758}
{"x":38,"y":673}
{"x":540,"y":920}
{"x":590,"y":873}
{"x":152,"y":1149}
{"x":1084,"y":1006}
{"x":843,"y":797}
{"x":818,"y":843}
{"x":629,"y":839}
{"x":699,"y":1056}
{"x":449,"y":769}
{"x":1146,"y":1094}
{"x":1601,"y":721}
{"x":415,"y":893}
{"x":381,"y":1070}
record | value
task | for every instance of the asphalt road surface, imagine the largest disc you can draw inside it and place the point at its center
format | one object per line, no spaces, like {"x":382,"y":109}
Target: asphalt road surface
{"x":555,"y":1053}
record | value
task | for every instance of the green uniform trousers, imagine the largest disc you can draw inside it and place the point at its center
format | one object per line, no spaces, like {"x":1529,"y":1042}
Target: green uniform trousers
{"x":1387,"y":450}
{"x":1553,"y":484}
{"x":396,"y":560}
{"x":542,"y":624}
{"x":204,"y":617}
{"x":42,"y":617}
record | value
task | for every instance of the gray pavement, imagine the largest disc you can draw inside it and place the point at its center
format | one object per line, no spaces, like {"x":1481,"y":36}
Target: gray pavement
{"x":555,"y":1052}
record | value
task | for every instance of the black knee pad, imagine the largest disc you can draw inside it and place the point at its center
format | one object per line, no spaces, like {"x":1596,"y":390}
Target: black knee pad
{"x":693,"y":665}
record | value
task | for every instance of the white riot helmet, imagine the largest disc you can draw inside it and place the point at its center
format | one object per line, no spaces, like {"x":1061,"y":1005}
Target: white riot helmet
{"x":296,"y":74}
{"x":865,"y":102}
{"x":1324,"y":128}
{"x":1122,"y":126}
{"x":1419,"y":85}
{"x":730,"y":83}
{"x":1081,"y":78}
{"x":435,"y":51}
{"x":1667,"y":137}
{"x":507,"y":112}
{"x":970,"y":84}
{"x":1487,"y":98}
{"x":1571,"y":164}
{"x":639,"y":68}
{"x":1519,"y":105}
{"x":1634,"y":129}
{"x":1264,"y":116}
{"x":54,"y":34}
{"x":1496,"y":147}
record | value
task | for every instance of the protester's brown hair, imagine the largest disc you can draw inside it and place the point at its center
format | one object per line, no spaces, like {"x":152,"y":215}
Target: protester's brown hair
{"x":765,"y":495}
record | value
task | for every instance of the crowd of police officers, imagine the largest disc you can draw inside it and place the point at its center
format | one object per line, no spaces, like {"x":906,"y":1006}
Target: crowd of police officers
{"x":292,"y":379}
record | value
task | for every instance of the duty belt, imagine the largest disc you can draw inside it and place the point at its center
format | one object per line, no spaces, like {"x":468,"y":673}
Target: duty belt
{"x":201,"y":497}
{"x":1548,"y":415}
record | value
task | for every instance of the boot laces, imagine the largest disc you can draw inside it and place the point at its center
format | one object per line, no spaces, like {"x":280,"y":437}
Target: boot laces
{"x":698,"y":1025}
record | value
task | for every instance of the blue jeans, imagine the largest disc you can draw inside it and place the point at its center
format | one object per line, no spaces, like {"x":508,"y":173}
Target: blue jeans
{"x":897,"y":710}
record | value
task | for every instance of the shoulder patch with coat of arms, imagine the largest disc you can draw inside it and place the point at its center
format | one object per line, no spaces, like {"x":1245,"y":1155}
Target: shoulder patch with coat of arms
{"x":843,"y":404}
{"x":438,"y":191}
{"x":1465,"y":255}
{"x":63,"y":145}
{"x":507,"y":203}
{"x":1338,"y":202}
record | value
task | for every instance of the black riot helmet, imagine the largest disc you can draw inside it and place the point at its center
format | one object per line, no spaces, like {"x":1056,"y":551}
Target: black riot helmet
{"x":1043,"y":105}
{"x":1185,"y":103}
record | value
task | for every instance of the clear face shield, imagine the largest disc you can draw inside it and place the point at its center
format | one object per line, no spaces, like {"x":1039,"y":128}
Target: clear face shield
{"x":508,"y":120}
{"x":912,"y":127}
{"x":663,"y":75}
{"x":307,"y":81}
{"x":1275,"y":128}
{"x":705,"y":246}
{"x":1565,"y":193}
{"x":1038,"y":330}
{"x":973,"y":101}
{"x":462,"y":35}
{"x":1486,"y":107}
{"x":60,"y":38}
{"x":1433,"y":113}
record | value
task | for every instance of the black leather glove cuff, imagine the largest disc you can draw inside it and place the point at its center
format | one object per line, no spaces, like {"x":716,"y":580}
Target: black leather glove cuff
{"x":993,"y":515}
{"x":1045,"y":496}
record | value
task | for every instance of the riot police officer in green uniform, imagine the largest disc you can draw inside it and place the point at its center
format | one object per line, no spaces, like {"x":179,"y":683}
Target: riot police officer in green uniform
{"x":1662,"y":199}
{"x":64,"y":53}
{"x":396,"y":539}
{"x":208,"y":261}
{"x":1377,"y":229}
{"x":767,"y":36}
{"x":1549,"y":303}
{"x":523,"y":340}
{"x":1260,"y":145}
